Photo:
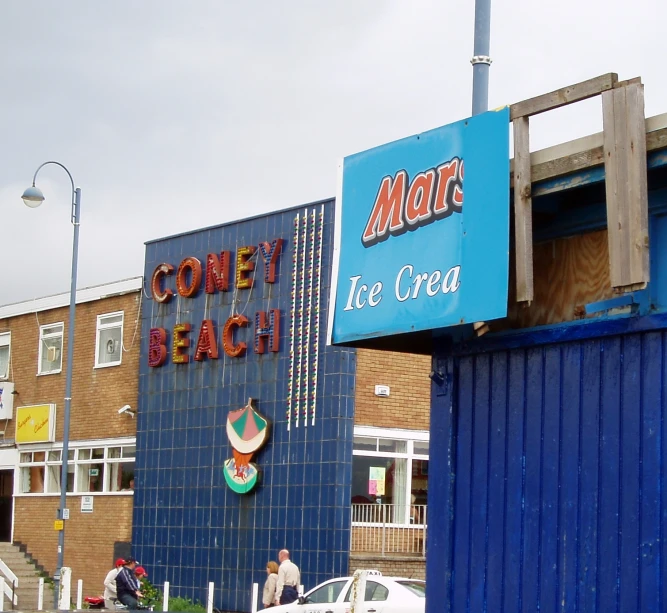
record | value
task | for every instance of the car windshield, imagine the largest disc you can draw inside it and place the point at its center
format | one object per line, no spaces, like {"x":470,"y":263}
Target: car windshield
{"x":416,"y":587}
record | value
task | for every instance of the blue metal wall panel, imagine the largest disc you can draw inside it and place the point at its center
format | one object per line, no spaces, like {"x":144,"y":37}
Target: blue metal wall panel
{"x":547,"y":488}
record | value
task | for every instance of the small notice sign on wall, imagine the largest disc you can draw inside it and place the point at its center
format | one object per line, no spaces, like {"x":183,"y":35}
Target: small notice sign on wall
{"x":87,"y":504}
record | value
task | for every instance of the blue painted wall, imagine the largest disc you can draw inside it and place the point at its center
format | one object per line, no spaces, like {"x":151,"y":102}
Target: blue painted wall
{"x":189,"y":528}
{"x":548,"y":478}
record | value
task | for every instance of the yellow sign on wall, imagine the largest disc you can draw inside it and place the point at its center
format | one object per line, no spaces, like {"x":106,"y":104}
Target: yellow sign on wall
{"x":36,"y":424}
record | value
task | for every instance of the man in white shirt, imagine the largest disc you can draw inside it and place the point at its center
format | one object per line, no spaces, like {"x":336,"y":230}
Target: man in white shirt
{"x":289,"y":578}
{"x":110,"y":585}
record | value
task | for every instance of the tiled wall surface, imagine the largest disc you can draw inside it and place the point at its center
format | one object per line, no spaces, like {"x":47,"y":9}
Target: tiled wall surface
{"x":189,"y":527}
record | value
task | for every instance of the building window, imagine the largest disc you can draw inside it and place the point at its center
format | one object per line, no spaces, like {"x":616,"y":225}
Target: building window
{"x":50,"y":349}
{"x":109,"y":343}
{"x":90,"y":469}
{"x":5,"y":342}
{"x":389,"y":476}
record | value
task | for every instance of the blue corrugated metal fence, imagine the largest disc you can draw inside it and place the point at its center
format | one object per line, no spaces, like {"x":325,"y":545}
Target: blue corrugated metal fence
{"x":547,"y":476}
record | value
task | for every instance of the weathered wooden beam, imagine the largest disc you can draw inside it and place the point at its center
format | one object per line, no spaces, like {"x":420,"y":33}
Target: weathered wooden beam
{"x":563,"y":96}
{"x":624,"y":143}
{"x":589,"y":158}
{"x":523,"y":212}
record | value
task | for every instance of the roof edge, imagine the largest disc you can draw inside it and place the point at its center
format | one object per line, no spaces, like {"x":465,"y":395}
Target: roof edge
{"x":86,"y":294}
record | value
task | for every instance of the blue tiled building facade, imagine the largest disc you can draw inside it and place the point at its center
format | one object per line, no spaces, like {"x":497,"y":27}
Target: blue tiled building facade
{"x":189,"y":527}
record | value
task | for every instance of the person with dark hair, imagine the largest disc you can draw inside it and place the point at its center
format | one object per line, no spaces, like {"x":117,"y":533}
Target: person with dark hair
{"x":128,"y":586}
{"x":269,"y":593}
{"x":288,"y":579}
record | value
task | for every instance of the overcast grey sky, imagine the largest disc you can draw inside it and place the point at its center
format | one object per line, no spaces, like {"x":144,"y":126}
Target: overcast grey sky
{"x":177,"y":115}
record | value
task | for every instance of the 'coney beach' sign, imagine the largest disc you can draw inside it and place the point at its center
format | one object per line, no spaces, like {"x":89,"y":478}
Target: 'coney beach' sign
{"x":422,"y":232}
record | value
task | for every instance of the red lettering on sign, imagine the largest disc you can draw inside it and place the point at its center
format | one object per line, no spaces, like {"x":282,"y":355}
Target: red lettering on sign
{"x":231,"y":349}
{"x":432,"y":194}
{"x":191,"y":266}
{"x":217,"y":272}
{"x":157,"y":347}
{"x":161,"y":295}
{"x":418,"y":203}
{"x":449,"y":195}
{"x":206,"y":343}
{"x":270,"y":252}
{"x":387,"y":213}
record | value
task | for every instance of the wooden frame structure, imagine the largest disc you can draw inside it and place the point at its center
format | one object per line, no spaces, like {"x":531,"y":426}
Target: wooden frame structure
{"x":623,"y":153}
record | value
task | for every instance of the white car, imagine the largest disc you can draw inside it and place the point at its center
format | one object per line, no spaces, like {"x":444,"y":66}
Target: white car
{"x":383,"y":595}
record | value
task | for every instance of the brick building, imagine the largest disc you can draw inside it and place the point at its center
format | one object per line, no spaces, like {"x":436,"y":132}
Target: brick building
{"x":33,"y":343}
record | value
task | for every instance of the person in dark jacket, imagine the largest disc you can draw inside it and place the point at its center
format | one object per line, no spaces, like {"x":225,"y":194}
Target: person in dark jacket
{"x":128,"y":586}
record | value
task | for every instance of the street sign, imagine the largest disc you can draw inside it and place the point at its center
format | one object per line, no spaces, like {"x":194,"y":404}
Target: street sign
{"x":87,"y":504}
{"x":58,"y":524}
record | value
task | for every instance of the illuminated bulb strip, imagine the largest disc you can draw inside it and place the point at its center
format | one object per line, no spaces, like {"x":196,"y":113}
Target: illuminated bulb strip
{"x":316,"y":333}
{"x":300,"y":334}
{"x":295,"y":270}
{"x":309,"y":316}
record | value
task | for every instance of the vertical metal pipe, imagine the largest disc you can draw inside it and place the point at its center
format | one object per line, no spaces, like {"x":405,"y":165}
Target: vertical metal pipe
{"x":481,"y":60}
{"x":76,"y":218}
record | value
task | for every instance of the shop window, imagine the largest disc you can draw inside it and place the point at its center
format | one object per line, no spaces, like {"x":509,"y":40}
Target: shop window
{"x":106,"y":469}
{"x":5,"y":343}
{"x":50,"y":349}
{"x":109,"y":340}
{"x":389,"y":477}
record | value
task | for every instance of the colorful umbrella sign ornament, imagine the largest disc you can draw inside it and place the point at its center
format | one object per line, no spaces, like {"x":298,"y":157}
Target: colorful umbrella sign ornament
{"x":247,"y":431}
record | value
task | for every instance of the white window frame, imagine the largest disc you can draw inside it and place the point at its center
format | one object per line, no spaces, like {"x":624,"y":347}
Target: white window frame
{"x":106,"y":326}
{"x":74,"y":451}
{"x":410,"y":437}
{"x":42,"y":338}
{"x":6,"y":341}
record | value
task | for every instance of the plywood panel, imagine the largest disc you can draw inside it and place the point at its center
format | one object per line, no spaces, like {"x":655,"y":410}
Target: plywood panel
{"x":569,"y":273}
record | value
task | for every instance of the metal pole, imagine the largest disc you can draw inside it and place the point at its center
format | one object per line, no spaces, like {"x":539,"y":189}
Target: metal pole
{"x":76,"y":210}
{"x":481,"y":60}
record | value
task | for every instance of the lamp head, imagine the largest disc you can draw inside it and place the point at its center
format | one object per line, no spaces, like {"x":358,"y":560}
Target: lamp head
{"x":33,"y":197}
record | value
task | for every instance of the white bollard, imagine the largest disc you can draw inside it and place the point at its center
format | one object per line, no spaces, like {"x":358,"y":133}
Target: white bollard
{"x":358,"y":591}
{"x":65,"y":601}
{"x":79,"y":594}
{"x":209,"y":601}
{"x":40,"y":594}
{"x":165,"y":598}
{"x":2,"y":593}
{"x":253,"y":602}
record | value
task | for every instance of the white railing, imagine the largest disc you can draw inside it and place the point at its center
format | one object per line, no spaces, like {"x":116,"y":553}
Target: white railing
{"x":389,"y":529}
{"x":10,"y":580}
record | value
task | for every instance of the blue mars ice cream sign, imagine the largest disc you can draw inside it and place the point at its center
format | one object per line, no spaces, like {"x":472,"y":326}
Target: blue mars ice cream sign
{"x":422,"y":234}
